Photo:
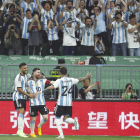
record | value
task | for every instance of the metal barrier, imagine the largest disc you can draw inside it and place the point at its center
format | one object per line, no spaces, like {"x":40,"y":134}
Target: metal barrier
{"x":113,"y":78}
{"x":1,"y":66}
{"x":75,"y":71}
{"x":120,"y":76}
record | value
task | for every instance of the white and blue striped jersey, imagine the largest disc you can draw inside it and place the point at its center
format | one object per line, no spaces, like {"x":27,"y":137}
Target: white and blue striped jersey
{"x":129,"y":11}
{"x":99,"y":49}
{"x":20,"y":82}
{"x":37,"y":86}
{"x":65,"y":90}
{"x":24,"y":27}
{"x":52,"y":33}
{"x":88,"y":36}
{"x":26,"y":6}
{"x":81,"y":15}
{"x":60,"y":8}
{"x":118,"y":33}
{"x":45,"y":16}
{"x":72,"y":14}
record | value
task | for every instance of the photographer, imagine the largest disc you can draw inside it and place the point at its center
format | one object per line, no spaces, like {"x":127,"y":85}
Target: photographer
{"x":87,"y":91}
{"x":12,"y":16}
{"x":133,"y":36}
{"x":35,"y":37}
{"x":128,"y":92}
{"x":119,"y":38}
{"x":12,"y":40}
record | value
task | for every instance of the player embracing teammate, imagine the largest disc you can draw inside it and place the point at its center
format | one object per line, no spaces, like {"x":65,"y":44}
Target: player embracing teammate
{"x":33,"y":87}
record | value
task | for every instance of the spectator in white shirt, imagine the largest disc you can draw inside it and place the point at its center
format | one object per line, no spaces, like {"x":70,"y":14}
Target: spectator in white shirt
{"x":133,"y":36}
{"x":119,"y":38}
{"x":69,"y":39}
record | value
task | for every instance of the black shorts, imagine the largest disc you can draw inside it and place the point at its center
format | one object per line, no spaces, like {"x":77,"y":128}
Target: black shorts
{"x":41,"y":108}
{"x":63,"y":110}
{"x":20,"y":103}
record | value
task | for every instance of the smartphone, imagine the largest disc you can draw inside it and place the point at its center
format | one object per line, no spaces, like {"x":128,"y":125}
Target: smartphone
{"x":116,"y":9}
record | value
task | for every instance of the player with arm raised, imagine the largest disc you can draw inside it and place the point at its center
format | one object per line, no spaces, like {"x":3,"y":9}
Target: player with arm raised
{"x":19,"y":96}
{"x":64,"y":102}
{"x":37,"y":84}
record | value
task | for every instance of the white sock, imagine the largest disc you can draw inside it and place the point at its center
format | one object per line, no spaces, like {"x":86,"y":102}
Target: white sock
{"x":69,"y":120}
{"x":32,"y":126}
{"x":42,"y":122}
{"x":59,"y":126}
{"x":20,"y":122}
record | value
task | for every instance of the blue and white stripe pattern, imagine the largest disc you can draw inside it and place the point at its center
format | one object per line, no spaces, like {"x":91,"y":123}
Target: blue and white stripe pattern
{"x":88,"y":36}
{"x":20,"y":82}
{"x":129,"y":11}
{"x":65,"y":90}
{"x":34,"y":6}
{"x":118,"y":33}
{"x":71,"y":14}
{"x":81,"y":15}
{"x":52,"y":34}
{"x":26,"y":6}
{"x":99,"y":49}
{"x":59,"y":10}
{"x":45,"y":16}
{"x":25,"y":22}
{"x":37,"y":86}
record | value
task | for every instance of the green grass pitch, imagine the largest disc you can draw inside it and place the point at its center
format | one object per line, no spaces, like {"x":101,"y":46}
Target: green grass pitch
{"x":45,"y":137}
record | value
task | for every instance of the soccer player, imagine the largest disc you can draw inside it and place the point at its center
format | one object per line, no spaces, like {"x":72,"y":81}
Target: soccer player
{"x":20,"y":94}
{"x":36,"y":84}
{"x":64,"y":102}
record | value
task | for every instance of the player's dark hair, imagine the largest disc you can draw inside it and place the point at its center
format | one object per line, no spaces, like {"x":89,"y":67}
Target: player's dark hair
{"x":88,"y":18}
{"x":69,"y":1}
{"x":63,"y":71}
{"x":128,"y":85}
{"x":35,"y":69}
{"x":22,"y":64}
{"x":132,"y":16}
{"x":118,"y":13}
{"x":28,"y":10}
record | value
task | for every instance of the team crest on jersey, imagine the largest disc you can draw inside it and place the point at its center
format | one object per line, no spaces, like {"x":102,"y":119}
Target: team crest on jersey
{"x":36,"y":84}
{"x":46,"y":13}
{"x":32,"y":113}
{"x":90,"y":29}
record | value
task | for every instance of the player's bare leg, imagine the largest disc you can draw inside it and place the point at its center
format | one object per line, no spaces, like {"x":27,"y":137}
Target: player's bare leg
{"x":72,"y":121}
{"x":21,"y":123}
{"x":42,"y":122}
{"x":32,"y":127}
{"x":59,"y":127}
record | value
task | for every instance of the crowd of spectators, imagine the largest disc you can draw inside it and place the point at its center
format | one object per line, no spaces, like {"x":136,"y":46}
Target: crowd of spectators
{"x":93,"y":25}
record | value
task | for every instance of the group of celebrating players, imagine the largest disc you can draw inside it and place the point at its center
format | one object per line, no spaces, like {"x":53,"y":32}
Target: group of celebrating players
{"x":33,"y":88}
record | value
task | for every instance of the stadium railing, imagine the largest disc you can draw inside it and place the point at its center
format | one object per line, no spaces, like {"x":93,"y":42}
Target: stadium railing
{"x":112,"y":78}
{"x":1,"y":79}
